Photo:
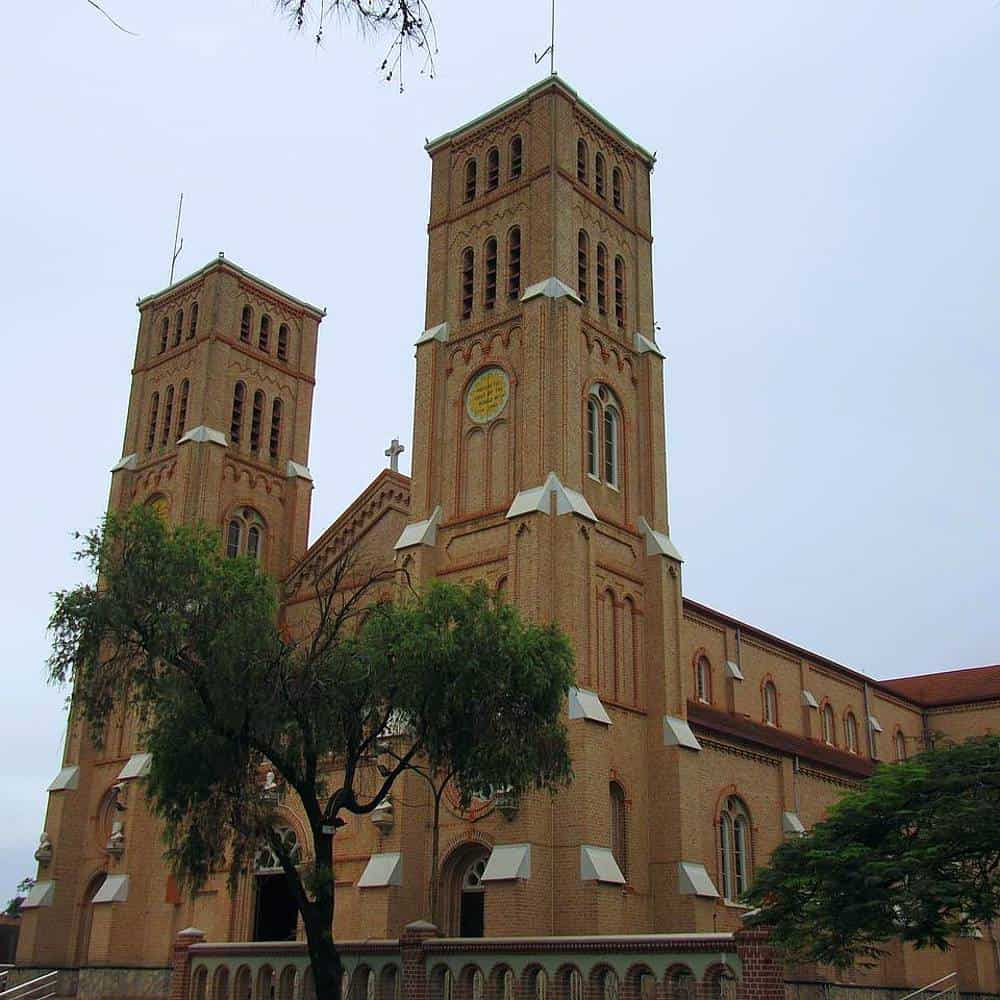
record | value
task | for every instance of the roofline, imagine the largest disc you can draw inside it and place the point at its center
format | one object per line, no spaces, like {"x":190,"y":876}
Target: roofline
{"x":224,"y":262}
{"x":550,"y":81}
{"x":825,"y":661}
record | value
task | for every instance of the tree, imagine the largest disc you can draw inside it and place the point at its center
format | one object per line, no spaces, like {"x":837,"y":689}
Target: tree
{"x":498,"y":719}
{"x":224,"y":695}
{"x":913,"y":854}
{"x":13,"y":908}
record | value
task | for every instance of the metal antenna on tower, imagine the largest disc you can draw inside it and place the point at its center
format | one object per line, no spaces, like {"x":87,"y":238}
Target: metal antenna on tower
{"x":551,"y":50}
{"x":178,"y":239}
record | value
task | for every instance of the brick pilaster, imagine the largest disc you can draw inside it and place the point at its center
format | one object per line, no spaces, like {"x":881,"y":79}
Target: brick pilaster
{"x":180,"y":963}
{"x":763,"y":970}
{"x":413,"y":959}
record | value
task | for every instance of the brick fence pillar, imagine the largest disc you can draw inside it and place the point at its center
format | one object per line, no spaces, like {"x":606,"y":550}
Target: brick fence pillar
{"x":180,"y":963}
{"x":763,"y":969}
{"x":413,"y":959}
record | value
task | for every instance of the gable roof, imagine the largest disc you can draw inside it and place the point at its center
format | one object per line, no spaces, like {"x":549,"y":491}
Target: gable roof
{"x":950,"y":687}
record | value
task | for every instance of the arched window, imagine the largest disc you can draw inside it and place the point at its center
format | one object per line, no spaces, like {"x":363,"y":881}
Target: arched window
{"x":602,"y":279}
{"x":246,"y":320}
{"x":619,"y":843}
{"x":899,"y":741}
{"x":851,"y":732}
{"x":468,"y":277}
{"x":283,"y":342}
{"x":620,"y":292}
{"x":703,"y":680}
{"x":275,"y":428}
{"x":516,"y":157}
{"x":245,"y":534}
{"x":734,"y":848}
{"x":612,"y":435}
{"x":178,"y":327}
{"x":182,"y":408}
{"x":493,"y":169}
{"x":164,"y":333}
{"x":234,"y":538}
{"x":264,"y":337}
{"x":193,"y":325}
{"x":490,"y":282}
{"x":256,"y":415}
{"x":514,"y":263}
{"x":471,"y":170}
{"x":599,"y":179}
{"x":236,"y":424}
{"x":617,"y":189}
{"x":168,"y":414}
{"x":593,"y":431}
{"x":582,"y":160}
{"x":154,"y":409}
{"x":829,"y":725}
{"x":582,"y":264}
{"x":770,"y":703}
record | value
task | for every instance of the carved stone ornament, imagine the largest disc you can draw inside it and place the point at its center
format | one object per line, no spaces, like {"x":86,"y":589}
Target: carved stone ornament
{"x":43,"y":855}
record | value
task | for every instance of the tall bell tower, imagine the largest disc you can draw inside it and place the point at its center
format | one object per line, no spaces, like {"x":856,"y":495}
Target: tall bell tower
{"x":539,"y":465}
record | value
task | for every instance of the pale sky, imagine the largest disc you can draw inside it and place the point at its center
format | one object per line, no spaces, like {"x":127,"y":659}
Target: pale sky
{"x":827,"y":220}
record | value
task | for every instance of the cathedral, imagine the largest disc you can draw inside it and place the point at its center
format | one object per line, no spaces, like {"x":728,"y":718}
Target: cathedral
{"x":699,"y":742}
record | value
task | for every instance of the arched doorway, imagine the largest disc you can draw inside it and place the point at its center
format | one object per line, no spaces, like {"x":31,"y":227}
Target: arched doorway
{"x":276,"y":914}
{"x":464,"y":891}
{"x":87,"y":918}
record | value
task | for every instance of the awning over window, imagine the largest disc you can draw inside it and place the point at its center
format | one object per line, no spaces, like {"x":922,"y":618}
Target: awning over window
{"x":790,"y":823}
{"x":40,"y":894}
{"x":382,"y":870}
{"x":137,"y":766}
{"x":66,"y":780}
{"x":677,"y":733}
{"x":585,"y":704}
{"x":597,"y":864}
{"x":508,"y":861}
{"x":809,"y":699}
{"x":113,"y":890}
{"x":693,"y":880}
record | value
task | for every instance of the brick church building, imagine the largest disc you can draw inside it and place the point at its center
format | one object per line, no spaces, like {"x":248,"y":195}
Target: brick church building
{"x":539,"y":466}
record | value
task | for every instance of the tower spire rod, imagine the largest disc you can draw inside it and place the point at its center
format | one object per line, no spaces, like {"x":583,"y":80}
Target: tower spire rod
{"x":551,"y":50}
{"x":178,"y":239}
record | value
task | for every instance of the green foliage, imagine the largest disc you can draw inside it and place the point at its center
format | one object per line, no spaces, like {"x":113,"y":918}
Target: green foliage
{"x":913,"y":854}
{"x":13,"y":907}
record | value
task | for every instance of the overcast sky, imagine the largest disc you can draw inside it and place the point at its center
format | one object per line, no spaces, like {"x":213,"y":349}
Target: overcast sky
{"x":827,"y":221}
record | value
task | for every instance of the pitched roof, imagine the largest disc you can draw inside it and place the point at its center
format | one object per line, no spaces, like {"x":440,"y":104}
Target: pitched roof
{"x":951,"y":687}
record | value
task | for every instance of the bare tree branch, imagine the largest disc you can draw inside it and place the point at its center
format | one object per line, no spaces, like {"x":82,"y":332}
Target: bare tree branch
{"x":120,"y":27}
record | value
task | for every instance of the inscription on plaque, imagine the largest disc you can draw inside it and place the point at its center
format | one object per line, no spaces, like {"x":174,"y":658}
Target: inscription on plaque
{"x":488,"y":395}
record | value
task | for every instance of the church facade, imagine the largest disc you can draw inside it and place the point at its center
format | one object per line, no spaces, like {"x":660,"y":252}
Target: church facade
{"x":538,"y":466}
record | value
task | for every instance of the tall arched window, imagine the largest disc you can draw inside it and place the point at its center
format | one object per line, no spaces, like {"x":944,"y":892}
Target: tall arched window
{"x":253,"y":542}
{"x":490,"y":276}
{"x":236,"y":423}
{"x":493,"y":169}
{"x":620,"y":292}
{"x":256,"y":415}
{"x":471,"y":170}
{"x":734,"y":848}
{"x":234,"y":538}
{"x":582,"y":160}
{"x":193,"y":325}
{"x":468,"y":278}
{"x":593,"y":432}
{"x":770,"y":703}
{"x":154,"y":409}
{"x":703,"y":680}
{"x":582,"y":264}
{"x":514,"y":263}
{"x":516,"y":155}
{"x":612,"y":435}
{"x":246,"y":320}
{"x":168,"y":414}
{"x":602,"y":279}
{"x":600,"y":186}
{"x":829,"y":725}
{"x":164,"y":333}
{"x":851,"y":732}
{"x":275,"y":441}
{"x":182,"y":407}
{"x":619,"y":842}
{"x":178,"y":327}
{"x":617,"y":189}
{"x":283,"y":342}
{"x":264,"y":337}
{"x":899,"y":741}
{"x":245,"y":534}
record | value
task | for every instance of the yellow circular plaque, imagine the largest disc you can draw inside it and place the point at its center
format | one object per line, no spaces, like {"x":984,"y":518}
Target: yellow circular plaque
{"x":487,"y":395}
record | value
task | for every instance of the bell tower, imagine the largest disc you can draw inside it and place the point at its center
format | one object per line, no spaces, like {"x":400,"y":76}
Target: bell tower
{"x":220,"y":409}
{"x":539,"y":460}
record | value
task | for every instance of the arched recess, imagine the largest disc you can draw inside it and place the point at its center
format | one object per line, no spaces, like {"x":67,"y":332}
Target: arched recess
{"x":86,"y":918}
{"x":474,"y":470}
{"x":630,"y":654}
{"x":499,"y":459}
{"x":607,"y":639}
{"x":680,"y":984}
{"x":463,"y":897}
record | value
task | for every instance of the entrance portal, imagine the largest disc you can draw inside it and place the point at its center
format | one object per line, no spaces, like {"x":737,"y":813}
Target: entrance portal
{"x":472,"y":905}
{"x":276,"y":917}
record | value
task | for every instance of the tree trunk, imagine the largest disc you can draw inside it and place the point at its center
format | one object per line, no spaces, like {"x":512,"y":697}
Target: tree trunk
{"x":435,"y":849}
{"x":317,"y":916}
